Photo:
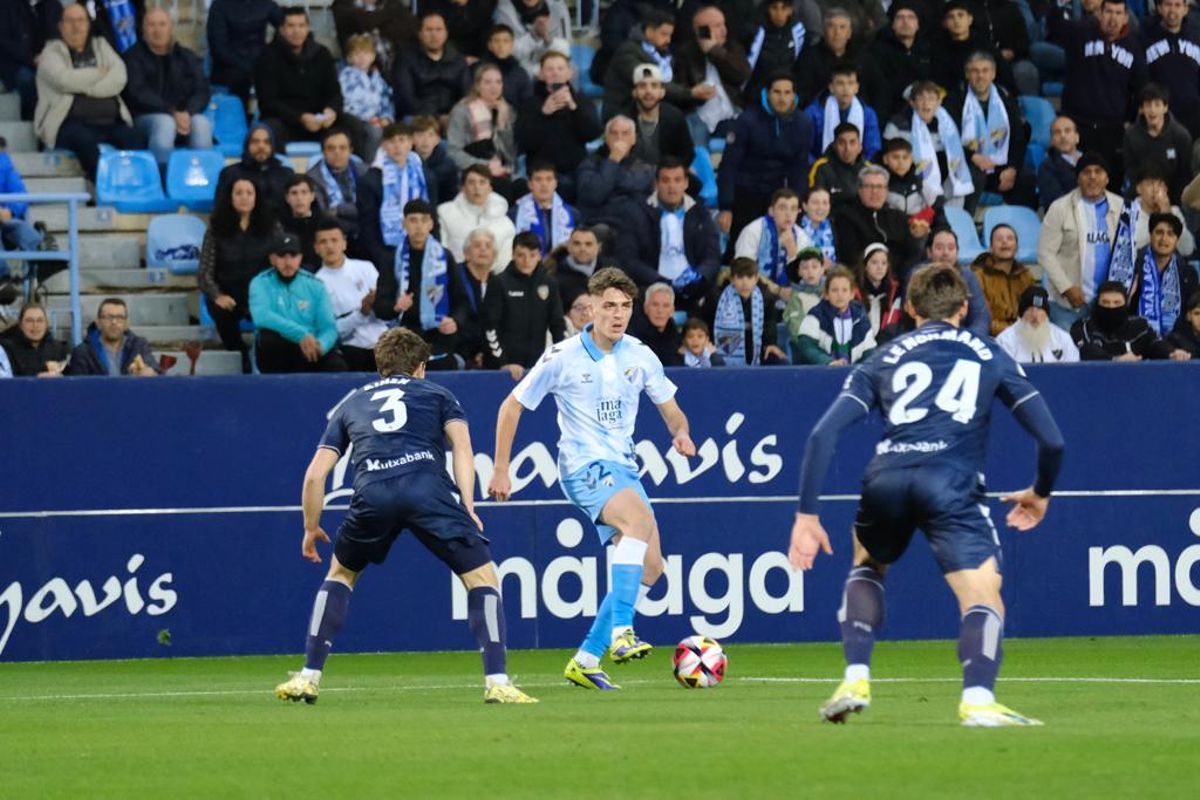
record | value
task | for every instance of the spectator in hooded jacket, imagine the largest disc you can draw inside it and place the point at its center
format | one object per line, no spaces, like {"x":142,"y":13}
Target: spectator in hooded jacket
{"x":477,"y":206}
{"x":522,"y":308}
{"x":1173,"y":60}
{"x":110,"y":348}
{"x":613,"y":181}
{"x":555,"y":125}
{"x":1056,"y":175}
{"x":28,"y":25}
{"x":777,"y":45}
{"x":31,"y":347}
{"x":1113,"y":332}
{"x":296,"y":80}
{"x":1157,"y":137}
{"x":167,"y":92}
{"x":432,"y":77}
{"x":259,"y":164}
{"x":539,"y":26}
{"x":768,"y":149}
{"x":237,"y":34}
{"x":648,"y":44}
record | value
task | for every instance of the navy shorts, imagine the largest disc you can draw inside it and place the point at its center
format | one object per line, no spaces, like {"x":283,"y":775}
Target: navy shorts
{"x":419,"y":501}
{"x":950,"y":506}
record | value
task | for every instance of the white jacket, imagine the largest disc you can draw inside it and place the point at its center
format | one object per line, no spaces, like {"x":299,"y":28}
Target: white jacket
{"x":458,"y":218}
{"x":1063,"y":241}
{"x":58,"y":83}
{"x":1060,"y":348}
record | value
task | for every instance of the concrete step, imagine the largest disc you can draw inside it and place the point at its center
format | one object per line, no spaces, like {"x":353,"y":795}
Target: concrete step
{"x":108,"y":251}
{"x":91,"y":219}
{"x":150,"y":309}
{"x":210,"y":362}
{"x":108,"y":280}
{"x":50,"y":164}
{"x":19,"y":136}
{"x":10,"y":107}
{"x":172,"y":337}
{"x":56,"y":185}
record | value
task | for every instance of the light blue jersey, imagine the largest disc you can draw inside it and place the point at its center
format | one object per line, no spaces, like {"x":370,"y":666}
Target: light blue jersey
{"x":597,"y":395}
{"x":1098,"y":249}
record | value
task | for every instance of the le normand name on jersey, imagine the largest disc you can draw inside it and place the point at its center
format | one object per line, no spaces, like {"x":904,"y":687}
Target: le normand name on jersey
{"x":896,"y":351}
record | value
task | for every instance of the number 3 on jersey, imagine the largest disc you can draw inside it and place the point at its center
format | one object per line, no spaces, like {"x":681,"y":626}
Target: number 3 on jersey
{"x":393,"y":408}
{"x":957,"y":396}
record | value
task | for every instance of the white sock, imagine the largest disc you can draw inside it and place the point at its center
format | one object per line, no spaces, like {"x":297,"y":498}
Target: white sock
{"x":978,"y":696}
{"x":858,"y":672}
{"x":643,"y":590}
{"x":630,"y":551}
{"x":313,"y":675}
{"x":586,"y":660}
{"x":496,"y":680}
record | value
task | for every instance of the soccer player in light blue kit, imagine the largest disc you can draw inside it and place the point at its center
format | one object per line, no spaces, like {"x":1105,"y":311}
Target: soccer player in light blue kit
{"x":597,"y":378}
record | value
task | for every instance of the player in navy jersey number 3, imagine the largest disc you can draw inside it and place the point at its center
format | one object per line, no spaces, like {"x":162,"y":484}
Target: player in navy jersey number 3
{"x":398,"y":427}
{"x":934,"y":388}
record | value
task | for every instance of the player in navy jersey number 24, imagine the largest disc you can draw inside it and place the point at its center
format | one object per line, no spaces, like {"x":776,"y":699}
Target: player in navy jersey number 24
{"x":934,"y":388}
{"x":398,"y":427}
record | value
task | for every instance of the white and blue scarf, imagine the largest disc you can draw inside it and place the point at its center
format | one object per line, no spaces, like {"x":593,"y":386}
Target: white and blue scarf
{"x":530,"y":217}
{"x":333,"y":190}
{"x":832,"y":114}
{"x":925,"y":157}
{"x":672,"y":257}
{"x":434,"y":300}
{"x":123,"y":21}
{"x":1124,"y":253}
{"x":772,"y":258}
{"x":662,"y":60}
{"x":987,"y":134}
{"x":729,"y":326}
{"x":1160,"y":300}
{"x":821,"y":235}
{"x":399,"y":186}
{"x":798,"y":34}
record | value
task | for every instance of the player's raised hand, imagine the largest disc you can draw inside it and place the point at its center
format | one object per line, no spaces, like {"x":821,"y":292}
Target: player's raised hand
{"x":308,"y":548}
{"x":500,"y":486}
{"x":684,"y":445}
{"x":1028,"y":509}
{"x":808,"y":537}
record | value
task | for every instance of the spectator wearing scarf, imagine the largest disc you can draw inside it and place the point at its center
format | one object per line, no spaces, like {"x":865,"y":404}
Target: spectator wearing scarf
{"x":775,"y":239}
{"x":745,"y":323}
{"x":837,"y":332}
{"x":480,"y":129}
{"x":1161,"y":281}
{"x":777,"y":44}
{"x":337,"y":175}
{"x":936,"y":145}
{"x":841,"y":104}
{"x":397,"y":176}
{"x":543,"y":211}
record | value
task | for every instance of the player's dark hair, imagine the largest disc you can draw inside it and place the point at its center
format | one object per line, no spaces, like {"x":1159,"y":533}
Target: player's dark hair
{"x":400,"y":351}
{"x":743,"y":268}
{"x":612,"y":278}
{"x":937,"y":292}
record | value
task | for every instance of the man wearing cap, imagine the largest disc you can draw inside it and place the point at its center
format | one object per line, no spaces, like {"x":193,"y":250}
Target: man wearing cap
{"x":1160,"y":282}
{"x":648,"y":45}
{"x":296,"y":329}
{"x":1033,"y":339}
{"x":662,"y":129}
{"x":1077,"y":238}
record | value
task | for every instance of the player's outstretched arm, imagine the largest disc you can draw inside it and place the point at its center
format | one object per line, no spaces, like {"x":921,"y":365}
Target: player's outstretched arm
{"x":677,"y":425}
{"x":312,"y":501}
{"x":1029,"y":508}
{"x":1029,"y":505}
{"x":459,"y":436}
{"x":808,"y":537}
{"x":500,"y":486}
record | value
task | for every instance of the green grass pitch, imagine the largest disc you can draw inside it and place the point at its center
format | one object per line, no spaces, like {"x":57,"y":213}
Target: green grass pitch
{"x":414,"y":725}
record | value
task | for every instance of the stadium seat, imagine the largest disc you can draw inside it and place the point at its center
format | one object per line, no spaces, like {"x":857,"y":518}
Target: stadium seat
{"x":1035,"y":154}
{"x":581,"y":57}
{"x":1052,"y":89}
{"x":1040,"y":115}
{"x":309,"y":149}
{"x":963,"y":226}
{"x":228,"y":117}
{"x":1024,"y":221}
{"x":702,"y":166}
{"x":192,"y":177}
{"x":129,"y":181}
{"x":716,"y":144}
{"x":173,"y":242}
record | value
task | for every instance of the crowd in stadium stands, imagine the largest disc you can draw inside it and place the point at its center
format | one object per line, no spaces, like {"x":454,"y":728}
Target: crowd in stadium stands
{"x":468,"y":186}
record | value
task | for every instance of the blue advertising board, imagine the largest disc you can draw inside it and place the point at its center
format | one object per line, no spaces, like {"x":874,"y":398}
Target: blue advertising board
{"x":148,"y":518}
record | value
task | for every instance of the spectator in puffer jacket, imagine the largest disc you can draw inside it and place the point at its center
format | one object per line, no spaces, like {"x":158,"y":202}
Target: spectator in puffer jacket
{"x":237,"y":34}
{"x":365,"y":93}
{"x":110,"y":348}
{"x":432,"y":77}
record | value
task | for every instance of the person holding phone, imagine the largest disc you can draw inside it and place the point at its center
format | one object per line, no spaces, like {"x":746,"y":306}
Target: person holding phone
{"x":554,"y":125}
{"x":713,"y":68}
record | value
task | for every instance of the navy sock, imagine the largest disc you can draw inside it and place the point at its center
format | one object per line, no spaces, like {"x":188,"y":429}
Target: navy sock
{"x":329,"y":613}
{"x":485,"y":615}
{"x":979,"y":646}
{"x":861,"y":615}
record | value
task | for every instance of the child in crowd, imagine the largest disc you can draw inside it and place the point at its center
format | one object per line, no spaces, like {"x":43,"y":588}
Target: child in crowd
{"x":807,"y":289}
{"x":837,"y":332}
{"x":937,"y":147}
{"x":841,"y":104}
{"x":745,"y":321}
{"x":698,"y":349}
{"x":301,"y":217}
{"x":774,"y":240}
{"x":877,"y":289}
{"x":366,"y":94}
{"x":427,"y":141}
{"x":816,"y":225}
{"x":518,"y":85}
{"x":905,"y":191}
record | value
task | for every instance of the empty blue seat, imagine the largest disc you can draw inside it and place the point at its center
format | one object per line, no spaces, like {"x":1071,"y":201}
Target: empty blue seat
{"x":582,"y":56}
{"x":1035,"y":154}
{"x":963,"y":226}
{"x":309,"y":149}
{"x":1040,"y":115}
{"x":173,"y":242}
{"x":228,"y":117}
{"x":129,"y":181}
{"x":1024,"y":221}
{"x":702,"y":166}
{"x":192,"y":177}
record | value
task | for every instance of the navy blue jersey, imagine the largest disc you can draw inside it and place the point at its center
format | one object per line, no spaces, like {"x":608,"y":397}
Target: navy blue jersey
{"x":395,"y":425}
{"x":934,"y":388}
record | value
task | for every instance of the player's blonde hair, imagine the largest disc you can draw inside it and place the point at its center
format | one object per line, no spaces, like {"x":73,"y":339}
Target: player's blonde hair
{"x":937,"y":292}
{"x":400,"y":351}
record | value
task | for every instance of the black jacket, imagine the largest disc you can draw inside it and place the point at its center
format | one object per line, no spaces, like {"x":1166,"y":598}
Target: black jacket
{"x":571,"y":282}
{"x":1000,"y":24}
{"x":289,"y":85}
{"x":517,"y":312}
{"x":891,"y":68}
{"x":370,"y":201}
{"x":391,"y":18}
{"x":1134,"y":336}
{"x":445,"y":173}
{"x":467,"y":23}
{"x":236,"y":37}
{"x":270,"y":176}
{"x":665,"y":343}
{"x":777,"y":53}
{"x":387,"y":291}
{"x":815,"y":68}
{"x":1182,"y":337}
{"x":855,"y":226}
{"x":28,"y":359}
{"x":608,"y":192}
{"x":1098,"y":88}
{"x":560,"y":138}
{"x":841,"y":179}
{"x":690,"y":67}
{"x":229,"y":263}
{"x":948,"y":61}
{"x":164,"y":84}
{"x":518,"y":86}
{"x":24,"y":33}
{"x":1172,"y":148}
{"x":618,"y":77}
{"x":305,"y":229}
{"x":640,"y":245}
{"x":765,"y":152}
{"x":425,"y":86}
{"x":1173,"y":61}
{"x":673,"y":137}
{"x":1056,"y":177}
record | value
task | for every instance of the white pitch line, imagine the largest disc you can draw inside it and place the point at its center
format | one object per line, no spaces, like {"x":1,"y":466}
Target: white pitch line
{"x":556,"y":684}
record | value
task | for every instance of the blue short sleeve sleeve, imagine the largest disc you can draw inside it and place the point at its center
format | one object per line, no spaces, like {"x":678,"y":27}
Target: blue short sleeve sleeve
{"x":860,"y":385}
{"x":452,"y":409}
{"x":336,"y":436}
